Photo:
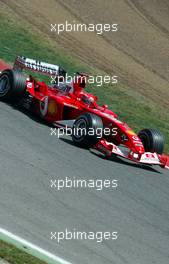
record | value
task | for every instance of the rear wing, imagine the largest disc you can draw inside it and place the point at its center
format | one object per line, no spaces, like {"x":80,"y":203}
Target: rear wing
{"x":38,"y":66}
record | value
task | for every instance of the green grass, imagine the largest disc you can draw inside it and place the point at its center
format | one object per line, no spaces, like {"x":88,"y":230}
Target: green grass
{"x":16,"y":256}
{"x":132,"y":108}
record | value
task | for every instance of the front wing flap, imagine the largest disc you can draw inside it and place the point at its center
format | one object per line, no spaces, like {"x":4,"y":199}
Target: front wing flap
{"x":146,"y":158}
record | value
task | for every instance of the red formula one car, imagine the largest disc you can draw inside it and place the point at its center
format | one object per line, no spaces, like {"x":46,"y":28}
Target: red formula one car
{"x":67,"y":104}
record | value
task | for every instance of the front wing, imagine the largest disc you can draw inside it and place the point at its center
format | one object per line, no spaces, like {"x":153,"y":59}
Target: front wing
{"x":146,"y":158}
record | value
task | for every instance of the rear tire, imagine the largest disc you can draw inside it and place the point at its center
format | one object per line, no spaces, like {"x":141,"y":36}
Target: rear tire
{"x":152,"y":139}
{"x":88,"y":122}
{"x":12,"y":85}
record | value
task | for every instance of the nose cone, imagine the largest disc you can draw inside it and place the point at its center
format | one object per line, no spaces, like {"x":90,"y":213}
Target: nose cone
{"x":136,"y":142}
{"x":138,"y":145}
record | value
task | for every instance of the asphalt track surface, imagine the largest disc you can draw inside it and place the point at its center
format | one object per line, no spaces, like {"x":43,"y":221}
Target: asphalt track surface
{"x":139,"y":210}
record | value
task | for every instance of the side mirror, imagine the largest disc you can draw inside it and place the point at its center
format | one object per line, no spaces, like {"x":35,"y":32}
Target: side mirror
{"x":105,"y":107}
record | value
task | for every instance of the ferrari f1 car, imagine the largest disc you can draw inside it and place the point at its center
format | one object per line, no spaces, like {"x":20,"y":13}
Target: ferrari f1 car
{"x":68,"y":104}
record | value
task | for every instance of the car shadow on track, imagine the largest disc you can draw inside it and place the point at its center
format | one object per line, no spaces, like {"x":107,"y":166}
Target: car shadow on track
{"x":119,"y":160}
{"x":70,"y":142}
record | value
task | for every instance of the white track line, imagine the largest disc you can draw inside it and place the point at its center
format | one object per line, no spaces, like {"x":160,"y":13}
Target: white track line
{"x":31,"y":246}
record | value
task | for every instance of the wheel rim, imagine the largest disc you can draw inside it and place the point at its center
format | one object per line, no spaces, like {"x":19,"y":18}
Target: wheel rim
{"x":80,"y":129}
{"x":4,"y":85}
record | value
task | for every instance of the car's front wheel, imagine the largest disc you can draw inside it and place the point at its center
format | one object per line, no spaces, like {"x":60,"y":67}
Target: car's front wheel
{"x":87,"y":130}
{"x":152,"y":139}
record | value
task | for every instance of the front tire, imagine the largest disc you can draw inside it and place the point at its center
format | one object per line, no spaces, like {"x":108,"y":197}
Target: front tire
{"x":87,"y":129}
{"x":12,"y":85}
{"x":152,"y":139}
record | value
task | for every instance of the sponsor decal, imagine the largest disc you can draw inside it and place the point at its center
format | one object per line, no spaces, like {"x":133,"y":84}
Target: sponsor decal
{"x":35,"y":65}
{"x":52,"y":107}
{"x":136,"y":138}
{"x":149,"y":157}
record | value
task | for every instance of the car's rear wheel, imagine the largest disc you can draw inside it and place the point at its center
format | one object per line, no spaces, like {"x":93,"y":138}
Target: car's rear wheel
{"x":152,"y":139}
{"x":12,"y":84}
{"x":87,"y":130}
